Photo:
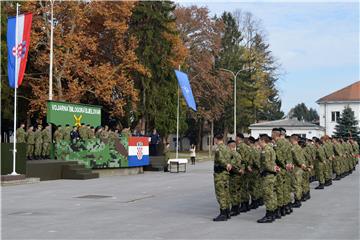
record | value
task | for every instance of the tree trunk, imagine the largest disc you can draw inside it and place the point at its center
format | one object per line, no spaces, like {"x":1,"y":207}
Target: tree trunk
{"x":199,"y":135}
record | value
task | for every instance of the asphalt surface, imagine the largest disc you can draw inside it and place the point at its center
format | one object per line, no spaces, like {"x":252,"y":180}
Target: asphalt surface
{"x":158,"y":205}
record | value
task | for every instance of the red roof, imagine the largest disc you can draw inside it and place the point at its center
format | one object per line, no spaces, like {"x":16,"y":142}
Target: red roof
{"x":349,"y":93}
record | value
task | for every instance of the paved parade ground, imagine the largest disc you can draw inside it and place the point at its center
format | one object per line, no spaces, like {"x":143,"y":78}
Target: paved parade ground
{"x":158,"y":205}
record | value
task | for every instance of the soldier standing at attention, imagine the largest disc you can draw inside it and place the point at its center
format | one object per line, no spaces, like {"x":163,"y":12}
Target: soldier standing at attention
{"x":306,"y":173}
{"x":30,"y":140}
{"x":299,"y":162}
{"x":255,"y":180}
{"x":91,"y":133}
{"x":268,"y":172}
{"x":21,"y":134}
{"x":329,"y":153}
{"x":319,"y":163}
{"x":244,"y":151}
{"x":58,"y":134}
{"x":104,"y":134}
{"x":280,"y":148}
{"x":38,"y":142}
{"x":83,"y":132}
{"x":46,"y":135}
{"x":66,"y":135}
{"x":222,"y":167}
{"x":235,"y":178}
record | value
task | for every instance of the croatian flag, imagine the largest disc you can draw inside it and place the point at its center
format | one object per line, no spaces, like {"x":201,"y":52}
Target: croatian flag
{"x":138,"y":151}
{"x":18,"y":49}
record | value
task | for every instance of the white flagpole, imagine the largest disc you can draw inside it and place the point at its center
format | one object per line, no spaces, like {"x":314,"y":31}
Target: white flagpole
{"x":51,"y":51}
{"x":177,"y":121}
{"x":16,"y":86}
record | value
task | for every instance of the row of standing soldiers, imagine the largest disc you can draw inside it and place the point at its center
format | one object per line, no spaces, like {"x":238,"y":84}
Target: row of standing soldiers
{"x":38,"y":139}
{"x":270,"y":171}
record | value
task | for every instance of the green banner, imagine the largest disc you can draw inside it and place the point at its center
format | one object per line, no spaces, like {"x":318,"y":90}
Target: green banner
{"x":62,"y":113}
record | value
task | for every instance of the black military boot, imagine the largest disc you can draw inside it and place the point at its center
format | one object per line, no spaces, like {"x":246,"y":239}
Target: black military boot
{"x":261,"y":202}
{"x":228,"y":213}
{"x":308,"y":195}
{"x":257,"y":203}
{"x":321,"y":186}
{"x":288,"y":209}
{"x":283,"y":211}
{"x":253,"y":204}
{"x":247,"y":206}
{"x":277,"y":213}
{"x":296,"y":204}
{"x":234,"y":210}
{"x":268,"y":218}
{"x":337,"y":177}
{"x":303,"y":198}
{"x":222,"y":216}
{"x":244,"y":207}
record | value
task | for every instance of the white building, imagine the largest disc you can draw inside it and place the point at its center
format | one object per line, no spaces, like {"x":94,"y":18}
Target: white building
{"x":333,"y":104}
{"x":292,"y":126}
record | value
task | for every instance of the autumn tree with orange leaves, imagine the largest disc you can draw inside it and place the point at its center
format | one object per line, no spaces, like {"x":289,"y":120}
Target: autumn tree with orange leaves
{"x":94,"y":55}
{"x":201,"y":35}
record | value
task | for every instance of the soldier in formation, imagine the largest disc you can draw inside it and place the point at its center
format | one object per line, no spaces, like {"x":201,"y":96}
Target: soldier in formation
{"x":277,"y":171}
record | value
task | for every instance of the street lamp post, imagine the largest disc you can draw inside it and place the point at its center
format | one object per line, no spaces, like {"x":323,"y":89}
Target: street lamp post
{"x":235,"y":76}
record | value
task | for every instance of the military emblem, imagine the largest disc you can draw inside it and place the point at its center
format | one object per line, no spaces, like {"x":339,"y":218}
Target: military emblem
{"x":77,"y":120}
{"x":139,"y":153}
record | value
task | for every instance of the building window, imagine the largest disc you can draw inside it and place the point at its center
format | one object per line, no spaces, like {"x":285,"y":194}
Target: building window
{"x":335,"y":116}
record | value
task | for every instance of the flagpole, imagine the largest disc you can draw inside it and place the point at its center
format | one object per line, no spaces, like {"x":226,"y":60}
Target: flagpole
{"x":51,"y":51}
{"x":177,"y":121}
{"x":16,"y":86}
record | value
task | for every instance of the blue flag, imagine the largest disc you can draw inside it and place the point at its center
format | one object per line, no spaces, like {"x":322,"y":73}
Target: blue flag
{"x":186,"y":89}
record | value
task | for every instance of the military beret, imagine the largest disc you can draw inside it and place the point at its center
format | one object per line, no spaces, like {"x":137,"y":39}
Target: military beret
{"x":240,"y":135}
{"x":252,"y":139}
{"x":231,"y":141}
{"x":219,"y":136}
{"x":276,"y":130}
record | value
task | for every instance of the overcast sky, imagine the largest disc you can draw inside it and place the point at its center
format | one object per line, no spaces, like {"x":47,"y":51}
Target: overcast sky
{"x":317,"y":44}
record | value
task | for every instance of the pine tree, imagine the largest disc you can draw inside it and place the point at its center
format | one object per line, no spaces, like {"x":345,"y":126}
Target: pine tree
{"x":347,"y":126}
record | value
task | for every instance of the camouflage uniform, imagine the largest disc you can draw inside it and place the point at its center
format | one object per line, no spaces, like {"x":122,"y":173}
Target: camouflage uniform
{"x":221,"y":176}
{"x":58,"y":135}
{"x":298,"y":160}
{"x":30,"y":140}
{"x":319,"y":164}
{"x":66,"y":134}
{"x":244,"y":151}
{"x":46,"y":136}
{"x":20,"y":135}
{"x":38,"y":143}
{"x":91,"y":133}
{"x":235,"y":178}
{"x":329,"y":153}
{"x":83,"y":132}
{"x":255,"y":179}
{"x":306,"y":174}
{"x":103,"y":135}
{"x":337,"y":160}
{"x":281,"y":150}
{"x":267,"y":165}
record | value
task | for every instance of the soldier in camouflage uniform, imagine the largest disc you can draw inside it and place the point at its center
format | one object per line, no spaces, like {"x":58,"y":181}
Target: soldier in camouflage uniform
{"x":299,"y":166}
{"x":104,"y":134}
{"x":268,"y":171}
{"x":30,"y":140}
{"x":38,"y":142}
{"x":46,"y":136}
{"x":310,"y":147}
{"x":329,"y":153}
{"x":91,"y":132}
{"x":319,"y":164}
{"x":66,"y":134}
{"x":282,"y":188}
{"x":58,"y":134}
{"x":21,"y":134}
{"x":338,"y":152}
{"x":222,"y":167}
{"x":244,"y":151}
{"x":235,"y":178}
{"x":83,"y":132}
{"x":306,"y":174}
{"x":255,"y":179}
